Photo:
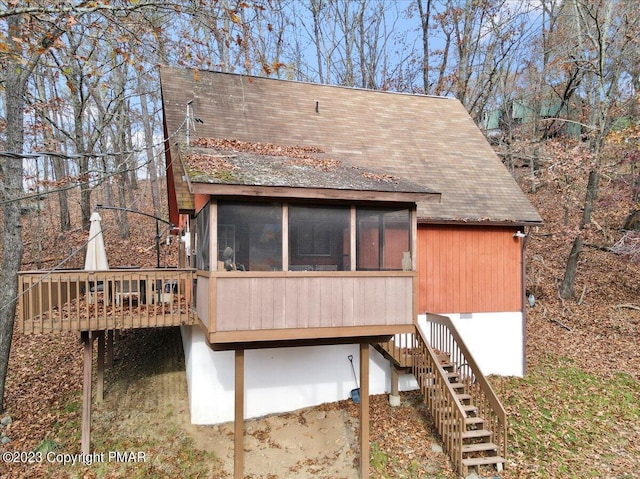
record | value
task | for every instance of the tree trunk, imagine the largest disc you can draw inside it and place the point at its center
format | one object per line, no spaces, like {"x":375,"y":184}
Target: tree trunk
{"x":425,"y":15}
{"x":568,"y":282}
{"x":590,"y":198}
{"x":123,"y":222}
{"x":11,"y":170}
{"x":59,"y":174}
{"x":315,"y":7}
{"x":152,"y":167}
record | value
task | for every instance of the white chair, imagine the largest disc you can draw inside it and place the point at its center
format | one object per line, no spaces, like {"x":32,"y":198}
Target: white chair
{"x":128,"y":289}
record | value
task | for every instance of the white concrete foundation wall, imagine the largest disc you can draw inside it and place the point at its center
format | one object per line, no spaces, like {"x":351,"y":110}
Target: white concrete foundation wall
{"x":276,"y":380}
{"x":496,"y":340}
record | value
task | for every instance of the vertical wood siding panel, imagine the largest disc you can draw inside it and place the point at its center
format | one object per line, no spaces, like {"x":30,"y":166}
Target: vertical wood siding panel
{"x":347,"y":291}
{"x":455,"y":270}
{"x":476,"y":274}
{"x":468,"y":269}
{"x":391,"y":293}
{"x":315,"y":303}
{"x":337,"y":308}
{"x":457,"y":261}
{"x":326,"y":303}
{"x":360,"y":301}
{"x":279,"y":303}
{"x":380,"y":311}
{"x":293,"y":306}
{"x":439,"y":277}
{"x":255,"y":298}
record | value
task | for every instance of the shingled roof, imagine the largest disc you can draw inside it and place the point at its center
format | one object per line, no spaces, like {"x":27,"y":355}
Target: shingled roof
{"x":407,"y":143}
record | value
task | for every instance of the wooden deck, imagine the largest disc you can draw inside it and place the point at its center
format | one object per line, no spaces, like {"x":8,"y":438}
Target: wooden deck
{"x":104,"y":300}
{"x":234,"y":307}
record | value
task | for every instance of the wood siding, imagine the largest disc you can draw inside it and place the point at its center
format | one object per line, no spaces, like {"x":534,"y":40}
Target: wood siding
{"x":295,"y":300}
{"x":202,"y":297}
{"x":469,"y":269}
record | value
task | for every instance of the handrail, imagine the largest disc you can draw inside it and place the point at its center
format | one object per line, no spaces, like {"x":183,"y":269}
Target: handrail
{"x":440,"y":397}
{"x":444,"y":336}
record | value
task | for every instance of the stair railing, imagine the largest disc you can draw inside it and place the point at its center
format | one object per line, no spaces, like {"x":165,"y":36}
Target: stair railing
{"x":440,"y":397}
{"x":443,"y":336}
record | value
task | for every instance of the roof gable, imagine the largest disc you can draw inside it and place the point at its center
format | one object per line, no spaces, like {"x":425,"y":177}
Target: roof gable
{"x":427,"y":141}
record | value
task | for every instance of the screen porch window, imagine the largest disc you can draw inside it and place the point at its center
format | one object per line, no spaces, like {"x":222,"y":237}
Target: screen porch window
{"x":249,"y":236}
{"x":319,"y":238}
{"x":202,"y":238}
{"x":383,"y":234}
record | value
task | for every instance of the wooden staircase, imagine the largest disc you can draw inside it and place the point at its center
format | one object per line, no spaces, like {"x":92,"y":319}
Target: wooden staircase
{"x":464,"y":408}
{"x":476,"y":441}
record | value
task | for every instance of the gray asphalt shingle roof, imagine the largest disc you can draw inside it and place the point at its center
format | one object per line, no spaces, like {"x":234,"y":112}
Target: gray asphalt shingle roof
{"x":426,"y":142}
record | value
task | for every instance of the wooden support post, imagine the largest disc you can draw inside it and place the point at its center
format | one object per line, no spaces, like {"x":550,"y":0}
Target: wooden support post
{"x":238,"y":452}
{"x":394,"y":380}
{"x":364,"y":411}
{"x":394,"y":397}
{"x":100,"y":373}
{"x":87,"y":339}
{"x":110,"y":348}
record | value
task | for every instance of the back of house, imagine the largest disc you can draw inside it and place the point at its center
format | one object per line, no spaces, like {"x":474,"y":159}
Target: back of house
{"x":323,"y":217}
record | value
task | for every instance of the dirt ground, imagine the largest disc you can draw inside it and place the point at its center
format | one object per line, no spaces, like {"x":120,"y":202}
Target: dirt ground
{"x":147,"y":394}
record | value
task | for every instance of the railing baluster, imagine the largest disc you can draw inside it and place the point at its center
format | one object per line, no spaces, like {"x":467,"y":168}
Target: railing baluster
{"x":70,"y":301}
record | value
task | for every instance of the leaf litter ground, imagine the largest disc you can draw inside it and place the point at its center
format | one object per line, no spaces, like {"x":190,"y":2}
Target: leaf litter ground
{"x":575,"y":414}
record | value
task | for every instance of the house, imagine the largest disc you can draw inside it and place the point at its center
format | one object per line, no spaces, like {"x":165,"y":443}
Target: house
{"x":554,"y":117}
{"x":323,"y":225}
{"x":313,"y":193}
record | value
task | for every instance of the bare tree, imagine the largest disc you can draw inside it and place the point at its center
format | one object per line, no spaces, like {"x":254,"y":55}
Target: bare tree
{"x":604,"y":31}
{"x":24,"y":44}
{"x":15,"y":79}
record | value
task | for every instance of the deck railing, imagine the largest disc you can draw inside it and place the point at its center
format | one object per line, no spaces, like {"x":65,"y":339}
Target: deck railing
{"x":442,"y":335}
{"x":78,"y":300}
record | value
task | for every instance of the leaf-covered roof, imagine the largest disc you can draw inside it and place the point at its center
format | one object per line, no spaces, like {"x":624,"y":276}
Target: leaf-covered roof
{"x":427,"y":141}
{"x":234,"y":162}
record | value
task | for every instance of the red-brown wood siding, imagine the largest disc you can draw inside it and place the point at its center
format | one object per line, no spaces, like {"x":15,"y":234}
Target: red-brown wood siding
{"x":469,"y":269}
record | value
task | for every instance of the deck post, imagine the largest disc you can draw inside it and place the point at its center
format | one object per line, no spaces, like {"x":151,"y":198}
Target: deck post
{"x":110,"y":348}
{"x":100,"y":337}
{"x":394,"y":397}
{"x":238,"y":425}
{"x":364,"y":410}
{"x":87,"y":339}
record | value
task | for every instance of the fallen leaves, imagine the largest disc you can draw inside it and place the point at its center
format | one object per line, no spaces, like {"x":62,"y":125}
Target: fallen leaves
{"x":209,"y":163}
{"x":291,"y":151}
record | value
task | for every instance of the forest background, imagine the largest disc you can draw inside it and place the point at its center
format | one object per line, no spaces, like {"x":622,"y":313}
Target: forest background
{"x":554,"y":84}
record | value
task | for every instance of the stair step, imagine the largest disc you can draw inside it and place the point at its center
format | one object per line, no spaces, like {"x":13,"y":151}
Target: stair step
{"x":473,"y":420}
{"x":463,"y":396}
{"x":478,"y":447}
{"x":482,"y":461}
{"x":469,"y":408}
{"x":468,"y":421}
{"x":457,"y":385}
{"x":476,"y":433}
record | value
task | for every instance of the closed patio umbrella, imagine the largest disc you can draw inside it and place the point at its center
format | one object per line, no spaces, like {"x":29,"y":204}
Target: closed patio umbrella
{"x":96,"y":259}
